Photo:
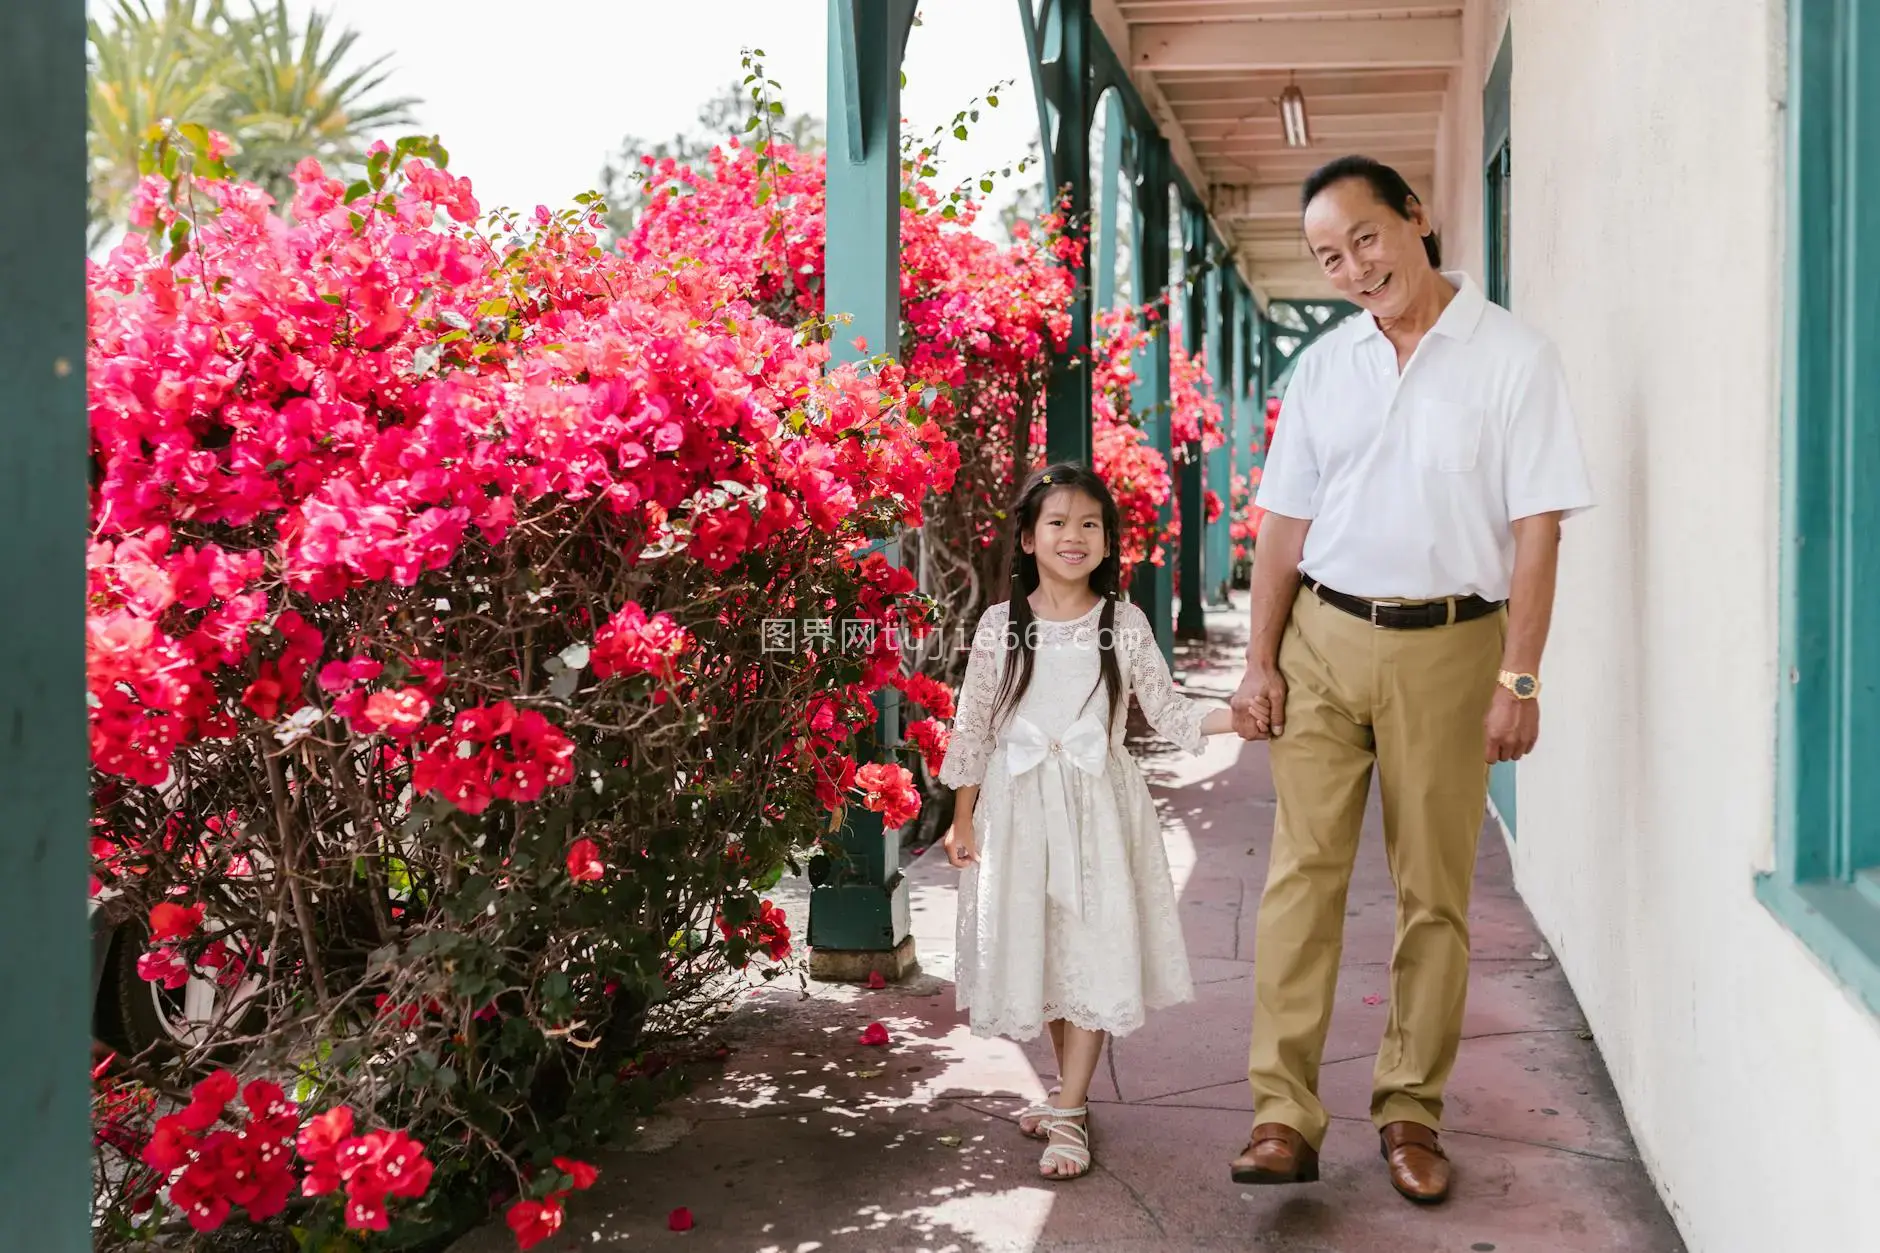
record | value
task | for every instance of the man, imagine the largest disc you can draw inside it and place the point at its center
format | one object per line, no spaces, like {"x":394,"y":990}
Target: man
{"x":1402,"y":587}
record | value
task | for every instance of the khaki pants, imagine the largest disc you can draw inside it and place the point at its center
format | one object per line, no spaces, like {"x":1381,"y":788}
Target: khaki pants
{"x":1413,"y":703}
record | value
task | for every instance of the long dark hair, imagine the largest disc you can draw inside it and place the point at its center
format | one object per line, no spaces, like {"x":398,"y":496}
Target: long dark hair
{"x":1106,"y":581}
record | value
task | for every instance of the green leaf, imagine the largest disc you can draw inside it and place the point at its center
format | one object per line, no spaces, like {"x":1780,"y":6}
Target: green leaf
{"x":333,"y":298}
{"x":751,"y":125}
{"x":908,"y":201}
{"x":776,"y":108}
{"x":196,"y":133}
{"x":358,"y":223}
{"x":959,"y":132}
{"x":358,"y":189}
{"x":903,"y":78}
{"x":376,"y":166}
{"x":763,"y":193}
{"x":949,"y":211}
{"x":985,"y":185}
{"x":993,"y":101}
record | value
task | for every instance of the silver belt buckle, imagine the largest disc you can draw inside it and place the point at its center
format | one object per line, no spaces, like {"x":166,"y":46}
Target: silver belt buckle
{"x":1381,"y":604}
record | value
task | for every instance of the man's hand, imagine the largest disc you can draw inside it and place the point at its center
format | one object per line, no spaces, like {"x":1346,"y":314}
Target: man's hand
{"x":1259,"y":704}
{"x":961,"y":846}
{"x":1513,"y":725}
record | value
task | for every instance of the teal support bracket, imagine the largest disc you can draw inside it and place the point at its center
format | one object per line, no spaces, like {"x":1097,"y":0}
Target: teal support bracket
{"x":45,"y":795}
{"x":1191,"y":620}
{"x":1151,"y":586}
{"x":859,"y":921}
{"x":1217,"y":560}
{"x":1066,"y":85}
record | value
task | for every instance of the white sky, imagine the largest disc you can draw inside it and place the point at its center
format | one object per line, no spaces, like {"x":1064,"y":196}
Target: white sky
{"x":530,"y":98}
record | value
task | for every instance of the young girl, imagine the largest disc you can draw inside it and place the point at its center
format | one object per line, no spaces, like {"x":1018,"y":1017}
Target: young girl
{"x":1066,"y":910}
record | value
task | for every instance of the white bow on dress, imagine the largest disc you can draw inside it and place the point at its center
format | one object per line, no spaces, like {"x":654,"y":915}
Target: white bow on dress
{"x":1085,"y":745}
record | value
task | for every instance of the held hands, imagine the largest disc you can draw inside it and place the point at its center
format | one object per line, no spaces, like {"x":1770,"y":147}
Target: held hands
{"x":1259,"y":704}
{"x":1513,"y":725}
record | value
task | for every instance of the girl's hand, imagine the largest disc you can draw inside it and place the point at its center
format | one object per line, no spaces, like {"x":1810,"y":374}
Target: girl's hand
{"x":961,"y":846}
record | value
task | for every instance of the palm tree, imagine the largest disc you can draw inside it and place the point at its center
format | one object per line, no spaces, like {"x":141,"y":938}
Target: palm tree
{"x":289,"y":94}
{"x":146,"y":67}
{"x":282,"y":91}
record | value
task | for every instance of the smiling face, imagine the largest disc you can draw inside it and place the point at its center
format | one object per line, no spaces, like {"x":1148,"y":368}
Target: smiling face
{"x":1371,"y":255}
{"x":1068,"y":540}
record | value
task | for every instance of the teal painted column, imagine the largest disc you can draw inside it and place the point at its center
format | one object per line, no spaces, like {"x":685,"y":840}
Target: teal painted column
{"x":1243,"y":424}
{"x":45,"y":1165}
{"x":858,"y":911}
{"x":1152,"y":587}
{"x":1191,"y":621}
{"x":1217,"y":560}
{"x":1068,"y":32}
{"x":1115,"y":120}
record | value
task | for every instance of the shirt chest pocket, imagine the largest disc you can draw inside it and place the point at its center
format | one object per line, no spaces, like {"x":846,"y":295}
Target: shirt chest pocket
{"x":1446,"y":437}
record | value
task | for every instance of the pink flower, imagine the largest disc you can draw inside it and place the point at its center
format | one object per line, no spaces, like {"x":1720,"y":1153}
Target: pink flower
{"x":397,"y":713}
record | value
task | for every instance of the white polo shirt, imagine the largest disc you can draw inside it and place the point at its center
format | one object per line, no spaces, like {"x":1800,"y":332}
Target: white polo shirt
{"x":1412,"y":482}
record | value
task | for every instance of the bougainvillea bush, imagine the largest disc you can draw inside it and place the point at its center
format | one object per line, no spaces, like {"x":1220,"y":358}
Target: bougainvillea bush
{"x":980,"y":324}
{"x":437,"y":731}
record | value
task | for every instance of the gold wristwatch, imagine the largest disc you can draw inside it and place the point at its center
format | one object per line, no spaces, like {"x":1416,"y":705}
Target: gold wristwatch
{"x":1524,"y":686}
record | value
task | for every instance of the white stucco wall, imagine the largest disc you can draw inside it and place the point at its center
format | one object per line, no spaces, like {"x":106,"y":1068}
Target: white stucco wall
{"x":1646,"y":240}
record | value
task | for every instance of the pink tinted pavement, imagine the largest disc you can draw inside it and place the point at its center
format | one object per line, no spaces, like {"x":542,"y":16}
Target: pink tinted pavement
{"x":809,"y":1141}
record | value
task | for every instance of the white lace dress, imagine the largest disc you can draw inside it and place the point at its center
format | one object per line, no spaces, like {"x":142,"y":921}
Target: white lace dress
{"x":1070,"y":911}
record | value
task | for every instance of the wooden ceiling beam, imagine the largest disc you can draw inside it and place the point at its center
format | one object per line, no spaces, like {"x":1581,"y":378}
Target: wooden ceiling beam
{"x":1323,"y":43}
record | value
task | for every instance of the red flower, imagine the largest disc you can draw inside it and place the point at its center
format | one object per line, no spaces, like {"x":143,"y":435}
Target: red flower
{"x":931,"y":739}
{"x":535,"y":1221}
{"x":583,"y":1174}
{"x":202,"y":1197}
{"x":398,"y":713}
{"x":888,"y":790}
{"x":631,"y":643}
{"x":927,"y":692}
{"x":172,"y":1145}
{"x":679,"y":1220}
{"x":875,"y":1035}
{"x":876,"y":981}
{"x":584,"y":862}
{"x":263,"y":696}
{"x":365,"y":1211}
{"x":169,"y":921}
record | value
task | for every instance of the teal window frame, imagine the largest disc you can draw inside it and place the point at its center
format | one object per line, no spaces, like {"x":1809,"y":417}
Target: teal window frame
{"x":1826,"y":882}
{"x":1496,"y":165}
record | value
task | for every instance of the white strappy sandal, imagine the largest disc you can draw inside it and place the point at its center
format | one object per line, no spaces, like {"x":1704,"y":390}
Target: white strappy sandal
{"x":1075,"y":1154}
{"x":1039,"y":1110}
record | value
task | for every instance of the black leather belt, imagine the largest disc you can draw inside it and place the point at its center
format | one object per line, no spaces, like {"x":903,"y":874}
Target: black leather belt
{"x":1402,"y":615}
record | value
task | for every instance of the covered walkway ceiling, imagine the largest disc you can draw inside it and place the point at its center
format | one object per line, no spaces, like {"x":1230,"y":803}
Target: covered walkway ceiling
{"x":1374,"y":73}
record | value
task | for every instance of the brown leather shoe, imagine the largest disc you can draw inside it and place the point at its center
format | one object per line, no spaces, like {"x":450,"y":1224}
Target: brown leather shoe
{"x":1419,"y":1168}
{"x":1275,"y":1153}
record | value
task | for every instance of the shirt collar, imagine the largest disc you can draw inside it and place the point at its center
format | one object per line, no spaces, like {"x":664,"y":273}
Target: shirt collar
{"x":1458,"y":321}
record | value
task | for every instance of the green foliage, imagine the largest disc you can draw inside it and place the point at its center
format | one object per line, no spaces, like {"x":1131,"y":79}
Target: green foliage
{"x":280,"y":89}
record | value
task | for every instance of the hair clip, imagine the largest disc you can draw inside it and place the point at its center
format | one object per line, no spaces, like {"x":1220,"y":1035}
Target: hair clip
{"x":1047,"y":477}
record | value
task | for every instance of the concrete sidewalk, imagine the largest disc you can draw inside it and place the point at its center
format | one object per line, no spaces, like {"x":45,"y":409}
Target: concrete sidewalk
{"x":810,"y":1141}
